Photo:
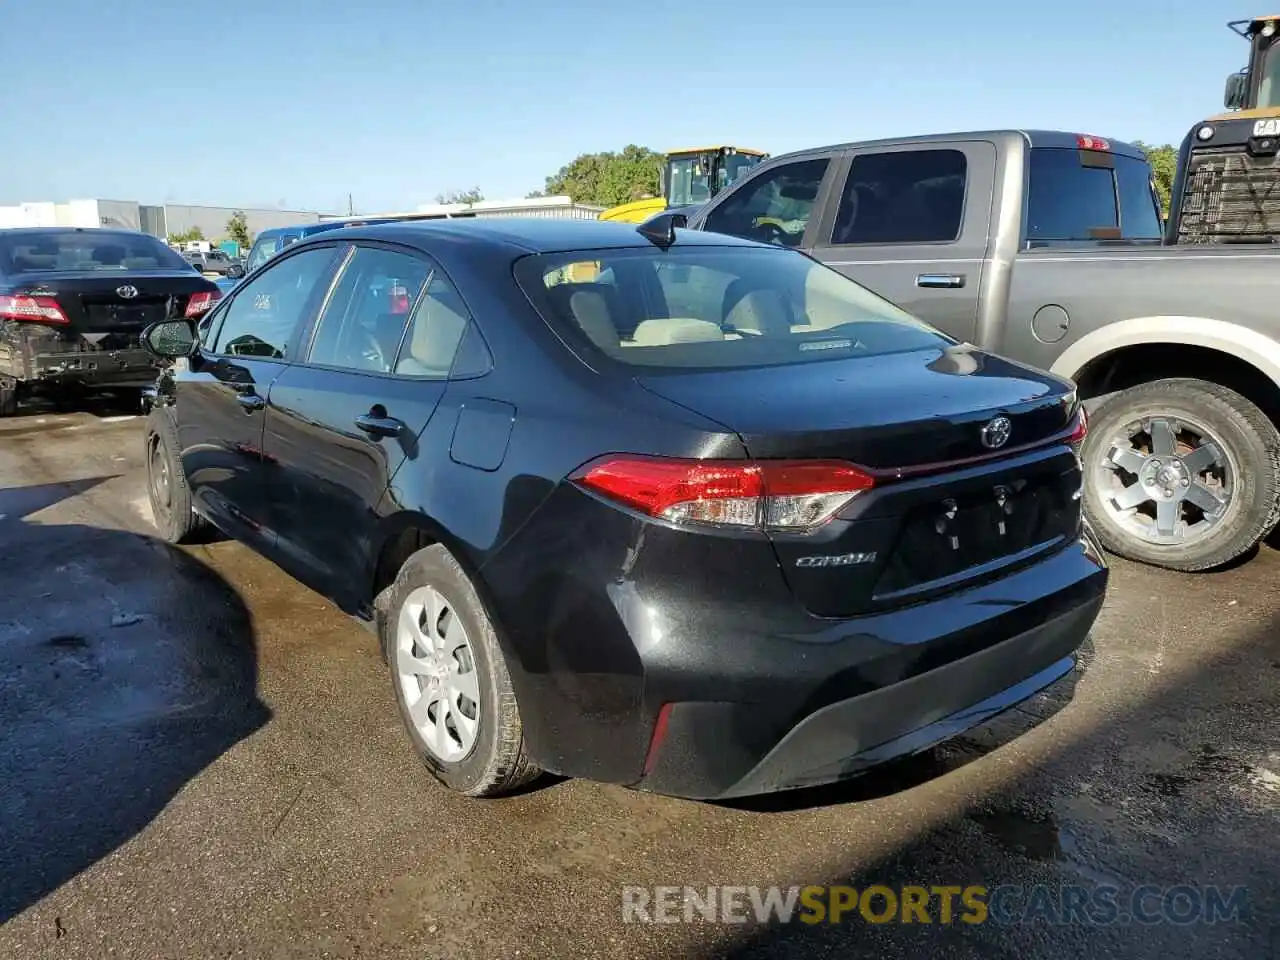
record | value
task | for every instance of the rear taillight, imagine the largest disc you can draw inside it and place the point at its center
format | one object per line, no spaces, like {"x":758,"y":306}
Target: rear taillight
{"x":766,"y":494}
{"x":1081,"y":428}
{"x":32,"y":309}
{"x":202,"y":302}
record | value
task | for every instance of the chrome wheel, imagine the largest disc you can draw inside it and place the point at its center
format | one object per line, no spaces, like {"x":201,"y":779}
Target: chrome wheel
{"x":436,"y":669}
{"x":1165,"y":480}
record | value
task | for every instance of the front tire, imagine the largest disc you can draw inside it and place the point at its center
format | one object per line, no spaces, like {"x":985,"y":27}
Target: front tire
{"x":167,"y":488}
{"x":450,"y":679}
{"x":1181,"y":473}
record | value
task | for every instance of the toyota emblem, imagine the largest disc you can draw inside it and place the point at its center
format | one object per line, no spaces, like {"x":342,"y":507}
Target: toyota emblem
{"x":127,"y":292}
{"x":996,"y":433}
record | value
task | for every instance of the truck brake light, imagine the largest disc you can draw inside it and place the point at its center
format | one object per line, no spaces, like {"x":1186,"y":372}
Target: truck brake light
{"x":1092,"y":143}
{"x":32,"y":309}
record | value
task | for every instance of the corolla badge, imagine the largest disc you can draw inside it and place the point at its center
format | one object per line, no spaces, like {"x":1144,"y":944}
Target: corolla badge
{"x":996,"y":433}
{"x":127,"y":292}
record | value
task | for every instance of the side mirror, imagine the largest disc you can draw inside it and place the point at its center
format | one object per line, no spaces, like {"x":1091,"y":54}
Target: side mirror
{"x":170,"y":339}
{"x":235,"y":271}
{"x":1233,"y":95}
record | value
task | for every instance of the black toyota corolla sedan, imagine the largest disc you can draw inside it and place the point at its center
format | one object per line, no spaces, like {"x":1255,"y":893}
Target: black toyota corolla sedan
{"x":74,"y":301}
{"x":654,"y":507}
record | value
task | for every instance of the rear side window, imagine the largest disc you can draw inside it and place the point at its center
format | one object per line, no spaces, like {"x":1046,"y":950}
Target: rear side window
{"x":1071,"y":201}
{"x":364,"y":321}
{"x":907,"y":196}
{"x":773,"y":206}
{"x":714,"y":308}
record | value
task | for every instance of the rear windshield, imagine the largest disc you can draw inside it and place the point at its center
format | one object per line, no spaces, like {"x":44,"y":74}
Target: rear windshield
{"x":1069,"y":201}
{"x":84,"y":250}
{"x":715,"y":307}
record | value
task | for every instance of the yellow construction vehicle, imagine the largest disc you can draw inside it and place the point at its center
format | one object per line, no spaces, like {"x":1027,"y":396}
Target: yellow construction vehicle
{"x":1227,"y":188}
{"x":690,"y":177}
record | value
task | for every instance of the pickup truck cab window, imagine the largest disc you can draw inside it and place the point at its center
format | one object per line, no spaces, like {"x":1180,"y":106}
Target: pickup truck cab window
{"x":911,"y":196}
{"x":1070,"y":200}
{"x":774,"y":206}
{"x":264,"y":314}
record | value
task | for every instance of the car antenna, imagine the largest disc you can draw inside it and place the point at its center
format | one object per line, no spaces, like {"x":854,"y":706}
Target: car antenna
{"x":661,"y":230}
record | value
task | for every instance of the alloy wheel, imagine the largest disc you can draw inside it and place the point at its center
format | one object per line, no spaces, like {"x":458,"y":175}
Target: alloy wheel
{"x":436,"y":669}
{"x":1165,"y":480}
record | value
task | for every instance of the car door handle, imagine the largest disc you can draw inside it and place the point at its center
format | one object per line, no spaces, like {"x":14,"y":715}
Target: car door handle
{"x":250,"y":401}
{"x":379,"y":426}
{"x":946,"y":281}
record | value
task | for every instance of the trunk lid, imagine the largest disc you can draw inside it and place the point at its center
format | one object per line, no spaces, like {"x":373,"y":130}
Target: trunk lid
{"x":889,"y":412}
{"x":109,"y":311}
{"x":947,"y":510}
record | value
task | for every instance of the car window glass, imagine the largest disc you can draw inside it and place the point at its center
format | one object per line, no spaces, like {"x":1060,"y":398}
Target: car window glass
{"x":435,"y":331}
{"x":266,"y":313}
{"x":1139,"y":209}
{"x":717,"y":308}
{"x":364,"y":321}
{"x":773,"y":206}
{"x":907,"y":196}
{"x":1067,"y":200}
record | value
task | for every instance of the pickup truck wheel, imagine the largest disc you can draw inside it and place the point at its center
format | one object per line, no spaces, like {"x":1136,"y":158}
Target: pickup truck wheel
{"x":1183,"y":474}
{"x":167,"y":487}
{"x":450,"y":679}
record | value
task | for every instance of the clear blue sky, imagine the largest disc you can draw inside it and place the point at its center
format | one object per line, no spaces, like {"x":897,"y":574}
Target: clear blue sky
{"x":298,"y":102}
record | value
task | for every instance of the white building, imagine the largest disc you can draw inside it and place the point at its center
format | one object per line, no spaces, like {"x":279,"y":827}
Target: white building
{"x":559,"y":207}
{"x":161,"y":220}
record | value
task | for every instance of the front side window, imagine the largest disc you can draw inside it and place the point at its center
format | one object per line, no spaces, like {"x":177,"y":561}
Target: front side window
{"x":364,"y":320}
{"x":717,"y":307}
{"x":266,"y":313}
{"x":774,"y":206}
{"x":907,"y":196}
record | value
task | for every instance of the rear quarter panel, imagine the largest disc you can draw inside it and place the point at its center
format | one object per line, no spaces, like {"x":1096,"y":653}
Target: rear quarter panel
{"x":1067,"y":307}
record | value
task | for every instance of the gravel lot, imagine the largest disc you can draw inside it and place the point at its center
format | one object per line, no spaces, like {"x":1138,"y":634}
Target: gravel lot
{"x":200,"y":758}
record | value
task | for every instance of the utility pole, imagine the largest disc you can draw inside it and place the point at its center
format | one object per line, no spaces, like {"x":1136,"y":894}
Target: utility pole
{"x":351,"y":210}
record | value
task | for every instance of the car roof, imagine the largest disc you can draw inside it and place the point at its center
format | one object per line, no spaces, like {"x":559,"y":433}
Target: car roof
{"x":1034,"y":138}
{"x":525,"y":235}
{"x":58,"y":231}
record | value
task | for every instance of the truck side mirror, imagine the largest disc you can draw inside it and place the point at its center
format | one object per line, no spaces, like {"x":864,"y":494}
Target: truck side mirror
{"x":1233,"y":95}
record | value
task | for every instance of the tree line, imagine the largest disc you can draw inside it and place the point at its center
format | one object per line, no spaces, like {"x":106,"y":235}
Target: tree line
{"x":610,"y":178}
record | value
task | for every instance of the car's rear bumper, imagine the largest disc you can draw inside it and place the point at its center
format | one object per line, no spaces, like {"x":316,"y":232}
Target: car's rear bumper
{"x":1023,"y":632}
{"x":846,"y":737}
{"x":133,"y":367}
{"x":657,"y":684}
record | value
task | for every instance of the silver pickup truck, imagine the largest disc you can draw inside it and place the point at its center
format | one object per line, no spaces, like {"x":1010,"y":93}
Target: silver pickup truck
{"x":1046,"y":247}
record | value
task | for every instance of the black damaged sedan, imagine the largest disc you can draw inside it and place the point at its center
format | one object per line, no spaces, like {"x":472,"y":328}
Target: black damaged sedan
{"x":74,"y":302}
{"x":655,"y":507}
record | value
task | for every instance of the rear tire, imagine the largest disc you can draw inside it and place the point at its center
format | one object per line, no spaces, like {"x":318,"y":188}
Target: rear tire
{"x":1181,"y":473}
{"x":167,"y":489}
{"x":441,"y":649}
